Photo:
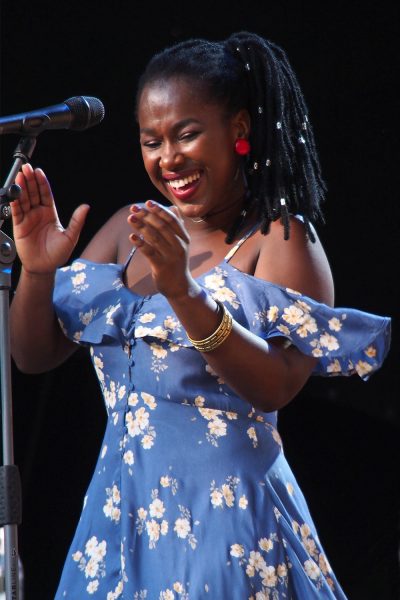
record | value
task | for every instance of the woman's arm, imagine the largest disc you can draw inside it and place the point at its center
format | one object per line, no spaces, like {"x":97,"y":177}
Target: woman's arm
{"x":43,"y":245}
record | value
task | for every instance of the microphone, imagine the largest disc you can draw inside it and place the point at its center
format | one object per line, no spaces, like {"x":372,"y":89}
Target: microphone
{"x":77,"y":113}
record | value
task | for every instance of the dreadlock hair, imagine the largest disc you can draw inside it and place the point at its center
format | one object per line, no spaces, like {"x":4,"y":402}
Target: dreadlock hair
{"x":282,"y":170}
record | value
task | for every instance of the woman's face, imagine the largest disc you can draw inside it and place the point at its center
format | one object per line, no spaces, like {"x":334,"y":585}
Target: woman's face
{"x":188,"y":147}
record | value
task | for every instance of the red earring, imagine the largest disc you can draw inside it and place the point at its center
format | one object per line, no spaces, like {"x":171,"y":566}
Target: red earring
{"x":242,"y":146}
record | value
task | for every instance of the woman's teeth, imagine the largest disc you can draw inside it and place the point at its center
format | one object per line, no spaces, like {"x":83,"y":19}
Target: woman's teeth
{"x":179,"y":183}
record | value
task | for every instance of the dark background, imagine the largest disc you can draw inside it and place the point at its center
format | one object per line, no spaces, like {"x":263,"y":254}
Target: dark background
{"x":341,"y":435}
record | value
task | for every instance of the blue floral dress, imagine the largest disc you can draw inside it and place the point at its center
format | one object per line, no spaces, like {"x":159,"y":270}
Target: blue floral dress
{"x":192,"y":497}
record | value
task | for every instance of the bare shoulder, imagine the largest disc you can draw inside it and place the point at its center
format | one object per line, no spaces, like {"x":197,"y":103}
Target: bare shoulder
{"x":106,"y":244}
{"x":296,"y":263}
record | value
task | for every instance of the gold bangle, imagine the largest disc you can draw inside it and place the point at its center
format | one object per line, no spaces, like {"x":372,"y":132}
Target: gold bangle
{"x":220,"y":334}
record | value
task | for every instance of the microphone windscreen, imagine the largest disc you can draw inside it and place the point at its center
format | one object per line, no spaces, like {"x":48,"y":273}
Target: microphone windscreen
{"x":86,"y":112}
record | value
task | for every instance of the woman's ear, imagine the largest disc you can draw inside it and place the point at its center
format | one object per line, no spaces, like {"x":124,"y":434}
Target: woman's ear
{"x":241,"y":124}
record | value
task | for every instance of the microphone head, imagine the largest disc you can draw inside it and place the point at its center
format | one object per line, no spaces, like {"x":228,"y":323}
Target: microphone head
{"x":86,"y":112}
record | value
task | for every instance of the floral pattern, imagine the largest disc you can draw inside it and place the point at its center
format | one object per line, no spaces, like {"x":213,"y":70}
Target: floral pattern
{"x":192,"y":496}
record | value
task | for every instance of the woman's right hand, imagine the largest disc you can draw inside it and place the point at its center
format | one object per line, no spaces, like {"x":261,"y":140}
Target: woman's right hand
{"x":41,"y":241}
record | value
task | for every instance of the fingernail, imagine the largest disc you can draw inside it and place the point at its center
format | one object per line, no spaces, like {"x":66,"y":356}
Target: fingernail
{"x":135,"y":208}
{"x":150,"y":203}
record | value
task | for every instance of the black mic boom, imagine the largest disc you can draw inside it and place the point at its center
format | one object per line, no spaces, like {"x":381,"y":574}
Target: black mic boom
{"x":77,"y":113}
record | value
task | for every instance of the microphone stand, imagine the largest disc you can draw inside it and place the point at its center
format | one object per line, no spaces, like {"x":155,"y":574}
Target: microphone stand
{"x":10,"y":483}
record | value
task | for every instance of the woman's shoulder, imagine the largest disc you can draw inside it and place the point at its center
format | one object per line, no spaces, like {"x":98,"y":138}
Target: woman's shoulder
{"x":297,"y":263}
{"x":112,"y":239}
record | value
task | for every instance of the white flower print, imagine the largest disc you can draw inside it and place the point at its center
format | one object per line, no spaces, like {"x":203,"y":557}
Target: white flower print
{"x":217,"y":498}
{"x":78,"y":283}
{"x":370,"y":352}
{"x":272,"y":314}
{"x":273,"y":579}
{"x":308,"y":325}
{"x":153,"y":531}
{"x":158,"y":351}
{"x":147,"y":441}
{"x":225,"y":494}
{"x":217,"y":428}
{"x":266,"y":544}
{"x":77,"y":266}
{"x":182,"y":527}
{"x":92,"y":562}
{"x":225,"y":294}
{"x":237,"y":550}
{"x":268,"y":575}
{"x":109,"y":313}
{"x":334,"y":367}
{"x":87,"y":317}
{"x":110,"y":508}
{"x":147,"y":318}
{"x":142,"y":514}
{"x":293,"y":315}
{"x":92,"y":586}
{"x":116,"y":593}
{"x":172,"y":324}
{"x":284,"y":330}
{"x":257,"y":561}
{"x":251,"y":432}
{"x":363,"y":368}
{"x":303,"y":306}
{"x":156,"y":508}
{"x":149,"y":400}
{"x":209,"y":413}
{"x":290,"y":489}
{"x":164,"y":527}
{"x":139,"y":424}
{"x":329,"y":341}
{"x":243,"y":502}
{"x":133,"y":399}
{"x":128,"y":457}
{"x":335,"y":324}
{"x":312,"y":569}
{"x":199,"y":401}
{"x":214,"y":281}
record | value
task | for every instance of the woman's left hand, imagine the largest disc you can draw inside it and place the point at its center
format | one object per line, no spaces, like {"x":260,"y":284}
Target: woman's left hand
{"x":160,"y":235}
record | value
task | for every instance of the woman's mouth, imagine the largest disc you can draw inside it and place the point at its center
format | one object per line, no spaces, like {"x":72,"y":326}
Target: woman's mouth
{"x":183,"y":187}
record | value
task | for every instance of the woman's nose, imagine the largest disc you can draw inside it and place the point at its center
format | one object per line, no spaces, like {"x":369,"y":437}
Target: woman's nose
{"x":170,"y":157}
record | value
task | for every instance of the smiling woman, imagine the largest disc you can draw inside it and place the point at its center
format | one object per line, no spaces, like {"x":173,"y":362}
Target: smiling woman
{"x":202,"y":320}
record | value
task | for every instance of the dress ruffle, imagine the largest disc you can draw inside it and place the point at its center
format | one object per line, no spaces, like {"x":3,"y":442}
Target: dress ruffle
{"x":344,"y":340}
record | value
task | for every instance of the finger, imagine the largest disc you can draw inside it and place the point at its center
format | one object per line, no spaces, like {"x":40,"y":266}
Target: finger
{"x":31,"y":185}
{"x":149,"y":235}
{"x":23,"y":200}
{"x":77,"y":222}
{"x":43,"y":185}
{"x":163,"y":220}
{"x":16,"y":212}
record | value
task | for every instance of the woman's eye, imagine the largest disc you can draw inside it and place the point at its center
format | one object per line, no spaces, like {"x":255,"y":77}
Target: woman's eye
{"x":151,"y":144}
{"x":189,"y":135}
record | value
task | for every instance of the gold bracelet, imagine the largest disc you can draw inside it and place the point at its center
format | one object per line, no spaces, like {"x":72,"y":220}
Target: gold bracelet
{"x":220,"y":334}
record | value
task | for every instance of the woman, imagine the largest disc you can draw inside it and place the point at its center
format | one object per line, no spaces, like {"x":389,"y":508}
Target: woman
{"x":202,"y":319}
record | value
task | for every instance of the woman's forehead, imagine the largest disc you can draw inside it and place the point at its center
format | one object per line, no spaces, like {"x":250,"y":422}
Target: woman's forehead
{"x":174,"y":96}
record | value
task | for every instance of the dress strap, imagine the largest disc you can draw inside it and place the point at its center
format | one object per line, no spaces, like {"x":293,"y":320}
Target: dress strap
{"x":236,"y":247}
{"x":128,"y":259}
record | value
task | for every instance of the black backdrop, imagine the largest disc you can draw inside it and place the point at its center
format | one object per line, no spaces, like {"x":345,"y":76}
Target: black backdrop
{"x":341,"y":435}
